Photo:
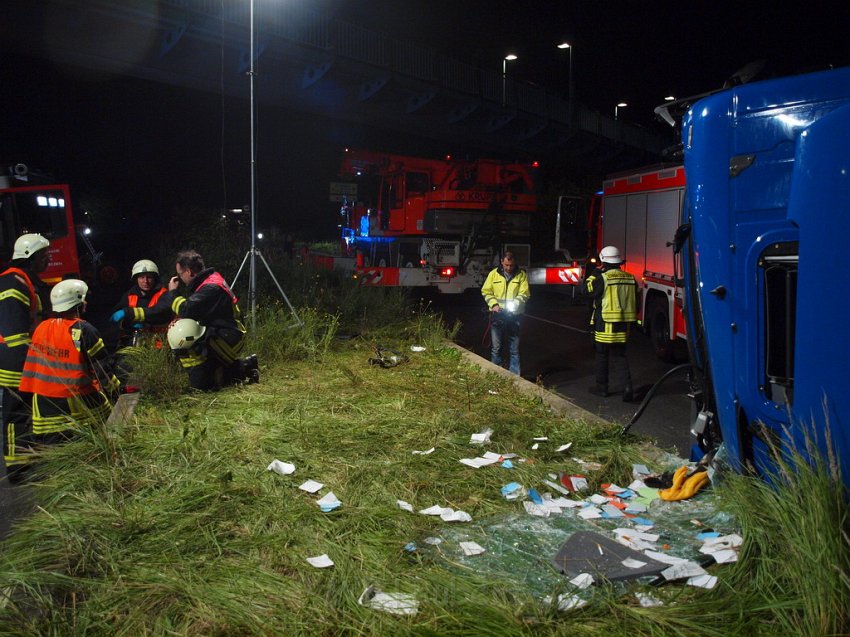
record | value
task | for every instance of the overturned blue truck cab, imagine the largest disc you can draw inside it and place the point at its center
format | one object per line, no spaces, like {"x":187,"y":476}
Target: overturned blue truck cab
{"x":763,"y":252}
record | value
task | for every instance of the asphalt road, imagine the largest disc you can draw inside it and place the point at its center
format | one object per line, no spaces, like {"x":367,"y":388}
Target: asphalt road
{"x":556,"y":350}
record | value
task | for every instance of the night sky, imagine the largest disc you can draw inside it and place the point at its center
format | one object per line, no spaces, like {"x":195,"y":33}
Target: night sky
{"x":99,"y":133}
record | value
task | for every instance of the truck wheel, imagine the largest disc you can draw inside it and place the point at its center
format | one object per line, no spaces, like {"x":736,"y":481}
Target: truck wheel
{"x":659,"y":331}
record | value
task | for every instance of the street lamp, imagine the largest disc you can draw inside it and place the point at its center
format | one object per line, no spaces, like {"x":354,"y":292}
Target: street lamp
{"x":567,"y":45}
{"x":669,"y":98}
{"x":618,"y":107}
{"x":510,"y":57}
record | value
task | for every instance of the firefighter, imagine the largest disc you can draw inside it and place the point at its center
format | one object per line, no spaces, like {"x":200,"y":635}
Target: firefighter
{"x":506,"y":292}
{"x":614,"y":295}
{"x":211,"y":303}
{"x":68,"y":369}
{"x":139,"y":309}
{"x":21,"y":310}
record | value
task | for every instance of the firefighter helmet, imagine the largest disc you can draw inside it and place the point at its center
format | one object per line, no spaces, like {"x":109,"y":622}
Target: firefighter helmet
{"x":611,"y":255}
{"x":28,"y":244}
{"x":68,"y":294}
{"x":184,"y":333}
{"x":145,"y":266}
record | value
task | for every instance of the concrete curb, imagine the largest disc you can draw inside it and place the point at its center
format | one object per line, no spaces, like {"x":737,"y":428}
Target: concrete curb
{"x":555,"y":402}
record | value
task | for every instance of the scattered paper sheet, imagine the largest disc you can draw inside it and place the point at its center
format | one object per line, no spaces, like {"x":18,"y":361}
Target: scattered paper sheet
{"x":481,"y":437}
{"x":535,"y":509}
{"x":311,"y":486}
{"x":417,"y":348}
{"x":432,"y":540}
{"x":685,"y":570}
{"x":632,"y":563}
{"x":394,"y":603}
{"x":477,"y":463}
{"x":404,"y":505}
{"x":556,"y":487}
{"x":512,"y":491}
{"x":590,"y":513}
{"x":639,"y":470}
{"x":535,"y":446}
{"x":703,"y":581}
{"x":455,"y":516}
{"x":564,"y":447}
{"x":598,"y":498}
{"x":723,"y":556}
{"x":283,"y":468}
{"x":434,"y":510}
{"x":471,"y":548}
{"x":565,"y":602}
{"x":582,"y":580}
{"x":423,"y":453}
{"x":328,"y":502}
{"x":540,"y":438}
{"x":610,"y":511}
{"x":579,"y":483}
{"x":320,"y":561}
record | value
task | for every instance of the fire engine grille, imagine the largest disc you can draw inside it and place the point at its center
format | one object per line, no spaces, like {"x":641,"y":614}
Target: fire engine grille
{"x":438,"y":252}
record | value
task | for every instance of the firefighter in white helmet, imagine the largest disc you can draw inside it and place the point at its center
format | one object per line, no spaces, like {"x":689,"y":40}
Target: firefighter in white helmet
{"x":215,"y":359}
{"x":68,"y":369}
{"x":614,"y":295}
{"x":21,"y":310}
{"x":139,"y":309}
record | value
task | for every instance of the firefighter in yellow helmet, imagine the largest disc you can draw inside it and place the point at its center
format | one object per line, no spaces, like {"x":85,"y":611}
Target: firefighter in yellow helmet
{"x":20,"y":312}
{"x":68,"y":369}
{"x":614,"y":295}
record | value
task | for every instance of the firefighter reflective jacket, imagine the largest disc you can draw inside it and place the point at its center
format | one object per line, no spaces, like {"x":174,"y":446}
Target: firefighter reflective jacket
{"x":498,"y":289}
{"x":67,"y":358}
{"x":20,"y":312}
{"x":208,"y":300}
{"x":144,"y":308}
{"x":614,"y":294}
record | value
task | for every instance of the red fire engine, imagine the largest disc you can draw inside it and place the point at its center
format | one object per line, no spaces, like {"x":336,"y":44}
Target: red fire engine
{"x":440,"y":223}
{"x":43,"y":208}
{"x":640,"y":213}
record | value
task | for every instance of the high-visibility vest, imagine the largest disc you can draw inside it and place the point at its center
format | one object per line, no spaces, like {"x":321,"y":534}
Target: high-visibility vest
{"x":216,"y":279}
{"x":55,"y":367}
{"x":133,"y":299}
{"x":35,"y":300}
{"x":619,"y":299}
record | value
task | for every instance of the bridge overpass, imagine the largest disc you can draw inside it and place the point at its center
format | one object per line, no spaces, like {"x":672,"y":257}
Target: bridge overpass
{"x":316,"y":63}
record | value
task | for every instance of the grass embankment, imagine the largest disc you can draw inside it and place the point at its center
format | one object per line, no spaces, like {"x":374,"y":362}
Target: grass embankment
{"x":171,"y":524}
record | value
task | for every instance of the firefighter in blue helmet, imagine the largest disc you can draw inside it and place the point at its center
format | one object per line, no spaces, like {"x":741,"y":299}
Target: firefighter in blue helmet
{"x":215,"y":354}
{"x":21,"y":310}
{"x":506,"y":292}
{"x":614,"y":295}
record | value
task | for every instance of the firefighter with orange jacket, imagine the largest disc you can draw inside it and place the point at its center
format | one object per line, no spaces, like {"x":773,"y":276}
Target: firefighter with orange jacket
{"x":21,"y":310}
{"x":139,"y":309}
{"x":215,"y":354}
{"x":68,"y":369}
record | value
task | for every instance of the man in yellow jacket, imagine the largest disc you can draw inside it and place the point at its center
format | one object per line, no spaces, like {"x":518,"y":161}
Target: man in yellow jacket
{"x":506,"y":292}
{"x":614,"y":295}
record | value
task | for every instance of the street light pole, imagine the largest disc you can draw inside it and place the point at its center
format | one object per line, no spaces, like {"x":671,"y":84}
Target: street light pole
{"x":252,"y":283}
{"x":510,"y":57}
{"x":617,"y":109}
{"x":569,"y":47}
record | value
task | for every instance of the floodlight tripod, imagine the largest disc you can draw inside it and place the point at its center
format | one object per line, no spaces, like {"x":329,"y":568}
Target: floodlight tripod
{"x":253,"y":253}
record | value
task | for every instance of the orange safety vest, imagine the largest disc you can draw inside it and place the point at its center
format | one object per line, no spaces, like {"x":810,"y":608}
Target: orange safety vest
{"x":216,"y":279}
{"x":55,"y":367}
{"x":35,"y":301}
{"x":133,"y":299}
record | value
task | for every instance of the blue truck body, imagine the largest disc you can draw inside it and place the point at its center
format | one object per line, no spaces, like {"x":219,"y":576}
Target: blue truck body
{"x":764,"y":257}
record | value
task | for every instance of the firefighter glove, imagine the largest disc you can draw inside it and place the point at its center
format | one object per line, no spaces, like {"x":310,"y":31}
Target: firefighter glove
{"x":685,"y":485}
{"x":117,"y":317}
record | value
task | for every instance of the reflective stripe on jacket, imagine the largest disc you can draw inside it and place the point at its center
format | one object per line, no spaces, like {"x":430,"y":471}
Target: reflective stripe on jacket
{"x":54,"y":366}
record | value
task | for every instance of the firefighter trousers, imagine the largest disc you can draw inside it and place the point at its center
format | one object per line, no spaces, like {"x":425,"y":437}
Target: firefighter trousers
{"x":619,"y":363}
{"x":18,"y":439}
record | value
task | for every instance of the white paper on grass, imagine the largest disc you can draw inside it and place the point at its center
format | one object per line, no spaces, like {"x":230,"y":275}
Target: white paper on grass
{"x":614,"y":488}
{"x":637,"y":484}
{"x":664,"y":558}
{"x":540,"y":438}
{"x":471,"y":548}
{"x":535,"y":446}
{"x":566,"y":503}
{"x":329,"y":500}
{"x":612,"y":511}
{"x":565,"y":602}
{"x":685,"y":570}
{"x":393,"y":603}
{"x":423,"y":453}
{"x":311,"y":486}
{"x":703,"y":581}
{"x":634,"y":533}
{"x":434,"y":510}
{"x":724,"y":556}
{"x":455,"y":516}
{"x":433,"y":541}
{"x":590,"y":513}
{"x":481,"y":437}
{"x":283,"y":468}
{"x":417,"y":348}
{"x":636,"y":507}
{"x":320,"y":561}
{"x":535,"y":509}
{"x":404,"y":505}
{"x":564,"y":447}
{"x":597,"y":498}
{"x":477,"y":463}
{"x":724,"y":542}
{"x":579,"y":484}
{"x":582,"y":580}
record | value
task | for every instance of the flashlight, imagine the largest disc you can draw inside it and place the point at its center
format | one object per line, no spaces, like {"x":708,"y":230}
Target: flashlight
{"x":511,"y":306}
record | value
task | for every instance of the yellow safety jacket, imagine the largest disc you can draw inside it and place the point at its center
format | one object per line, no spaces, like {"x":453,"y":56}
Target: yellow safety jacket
{"x":498,"y":289}
{"x":614,"y":304}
